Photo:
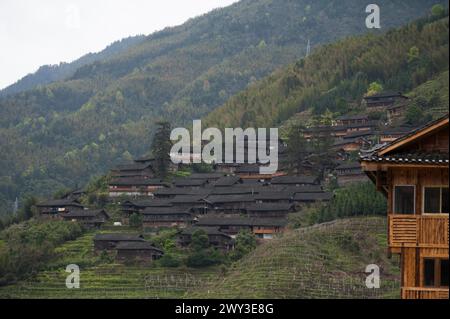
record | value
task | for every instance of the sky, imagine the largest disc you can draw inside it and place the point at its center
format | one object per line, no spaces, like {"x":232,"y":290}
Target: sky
{"x":34,"y":33}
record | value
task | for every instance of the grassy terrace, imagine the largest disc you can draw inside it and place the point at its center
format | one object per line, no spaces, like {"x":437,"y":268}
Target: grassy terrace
{"x":324,"y":261}
{"x":101,"y":278}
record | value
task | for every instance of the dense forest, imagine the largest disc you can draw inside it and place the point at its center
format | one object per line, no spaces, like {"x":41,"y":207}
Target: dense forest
{"x":61,"y":134}
{"x":412,"y":59}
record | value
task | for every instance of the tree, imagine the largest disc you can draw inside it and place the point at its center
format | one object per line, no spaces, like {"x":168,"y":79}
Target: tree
{"x":374,"y":88}
{"x":413,"y":55}
{"x":297,"y":148}
{"x":245,"y":243}
{"x":29,"y":207}
{"x":199,"y":240}
{"x":161,"y":146}
{"x":135,"y":220}
{"x":437,"y":10}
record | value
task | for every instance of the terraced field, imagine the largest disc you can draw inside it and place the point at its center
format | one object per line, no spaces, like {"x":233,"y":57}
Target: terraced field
{"x":101,"y":278}
{"x":324,"y":261}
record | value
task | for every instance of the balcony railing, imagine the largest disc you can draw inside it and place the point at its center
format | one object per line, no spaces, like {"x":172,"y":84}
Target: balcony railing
{"x":418,"y":230}
{"x":424,"y":293}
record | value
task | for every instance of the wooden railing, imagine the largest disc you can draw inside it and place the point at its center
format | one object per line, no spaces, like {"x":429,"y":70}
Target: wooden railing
{"x":418,"y":230}
{"x":424,"y":293}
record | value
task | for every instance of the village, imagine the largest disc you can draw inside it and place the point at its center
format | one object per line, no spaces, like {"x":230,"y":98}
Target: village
{"x":236,"y":197}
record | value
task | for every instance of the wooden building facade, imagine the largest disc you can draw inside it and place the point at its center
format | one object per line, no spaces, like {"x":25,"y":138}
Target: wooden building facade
{"x":413,"y":174}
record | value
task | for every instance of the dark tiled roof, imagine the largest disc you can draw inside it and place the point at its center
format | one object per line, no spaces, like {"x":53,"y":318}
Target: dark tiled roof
{"x":86,"y":213}
{"x":187,"y":199}
{"x":118,"y":237}
{"x":264,"y":207}
{"x":235,"y":190}
{"x":209,"y":221}
{"x":189,"y":182}
{"x":359,"y":134}
{"x":143,"y":245}
{"x":306,"y":197}
{"x":304,"y":189}
{"x":417,"y":157}
{"x":165,"y":211}
{"x":131,"y":167}
{"x":217,"y":199}
{"x":205,"y":176}
{"x":400,"y":130}
{"x":352,"y":165}
{"x":129,"y":181}
{"x":283,"y":195}
{"x":227,"y":181}
{"x":59,"y":203}
{"x":294,"y":180}
{"x":148,"y":203}
{"x":384,"y":94}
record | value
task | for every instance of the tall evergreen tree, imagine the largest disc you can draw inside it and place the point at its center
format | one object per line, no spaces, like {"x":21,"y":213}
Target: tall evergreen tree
{"x":161,"y":146}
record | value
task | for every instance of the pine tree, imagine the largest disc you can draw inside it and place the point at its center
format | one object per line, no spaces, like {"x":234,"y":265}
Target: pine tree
{"x":161,"y":148}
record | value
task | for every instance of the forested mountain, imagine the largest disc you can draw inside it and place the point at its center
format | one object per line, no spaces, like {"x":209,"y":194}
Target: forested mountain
{"x":50,"y":73}
{"x":336,"y":76}
{"x":61,"y":134}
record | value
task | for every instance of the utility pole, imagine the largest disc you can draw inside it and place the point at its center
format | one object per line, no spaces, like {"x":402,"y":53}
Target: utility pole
{"x":308,"y":48}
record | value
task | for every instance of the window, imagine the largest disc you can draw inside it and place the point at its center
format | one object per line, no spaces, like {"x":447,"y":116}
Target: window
{"x":435,"y":272}
{"x":435,"y":200}
{"x":404,"y":199}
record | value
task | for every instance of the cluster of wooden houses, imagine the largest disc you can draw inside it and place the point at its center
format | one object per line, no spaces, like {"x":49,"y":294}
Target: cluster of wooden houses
{"x":217,"y":202}
{"x":71,"y":210}
{"x":354,"y":132}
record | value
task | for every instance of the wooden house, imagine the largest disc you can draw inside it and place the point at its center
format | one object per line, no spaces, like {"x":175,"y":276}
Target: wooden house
{"x":302,"y":198}
{"x":111,"y":240}
{"x":252,"y":171}
{"x":130,"y":207}
{"x":91,"y":218}
{"x":264,"y":228}
{"x":382,"y":100}
{"x":216,"y":238}
{"x":269,"y":210}
{"x":140,"y":251}
{"x":297,"y":180}
{"x":229,"y":204}
{"x":396,"y":112}
{"x":154,"y":217}
{"x":348,"y":173}
{"x":270,"y":196}
{"x":58,"y":207}
{"x":142,"y":170}
{"x":227,"y":181}
{"x":352,"y":119}
{"x":391,"y":134}
{"x":132,"y":186}
{"x":412,"y":172}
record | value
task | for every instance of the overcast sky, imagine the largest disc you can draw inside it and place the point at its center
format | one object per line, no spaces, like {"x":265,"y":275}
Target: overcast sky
{"x":34,"y":33}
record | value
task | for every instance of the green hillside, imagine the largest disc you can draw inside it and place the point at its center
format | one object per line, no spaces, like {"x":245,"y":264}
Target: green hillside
{"x":60,"y":134}
{"x":336,"y":76}
{"x":322,"y":261}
